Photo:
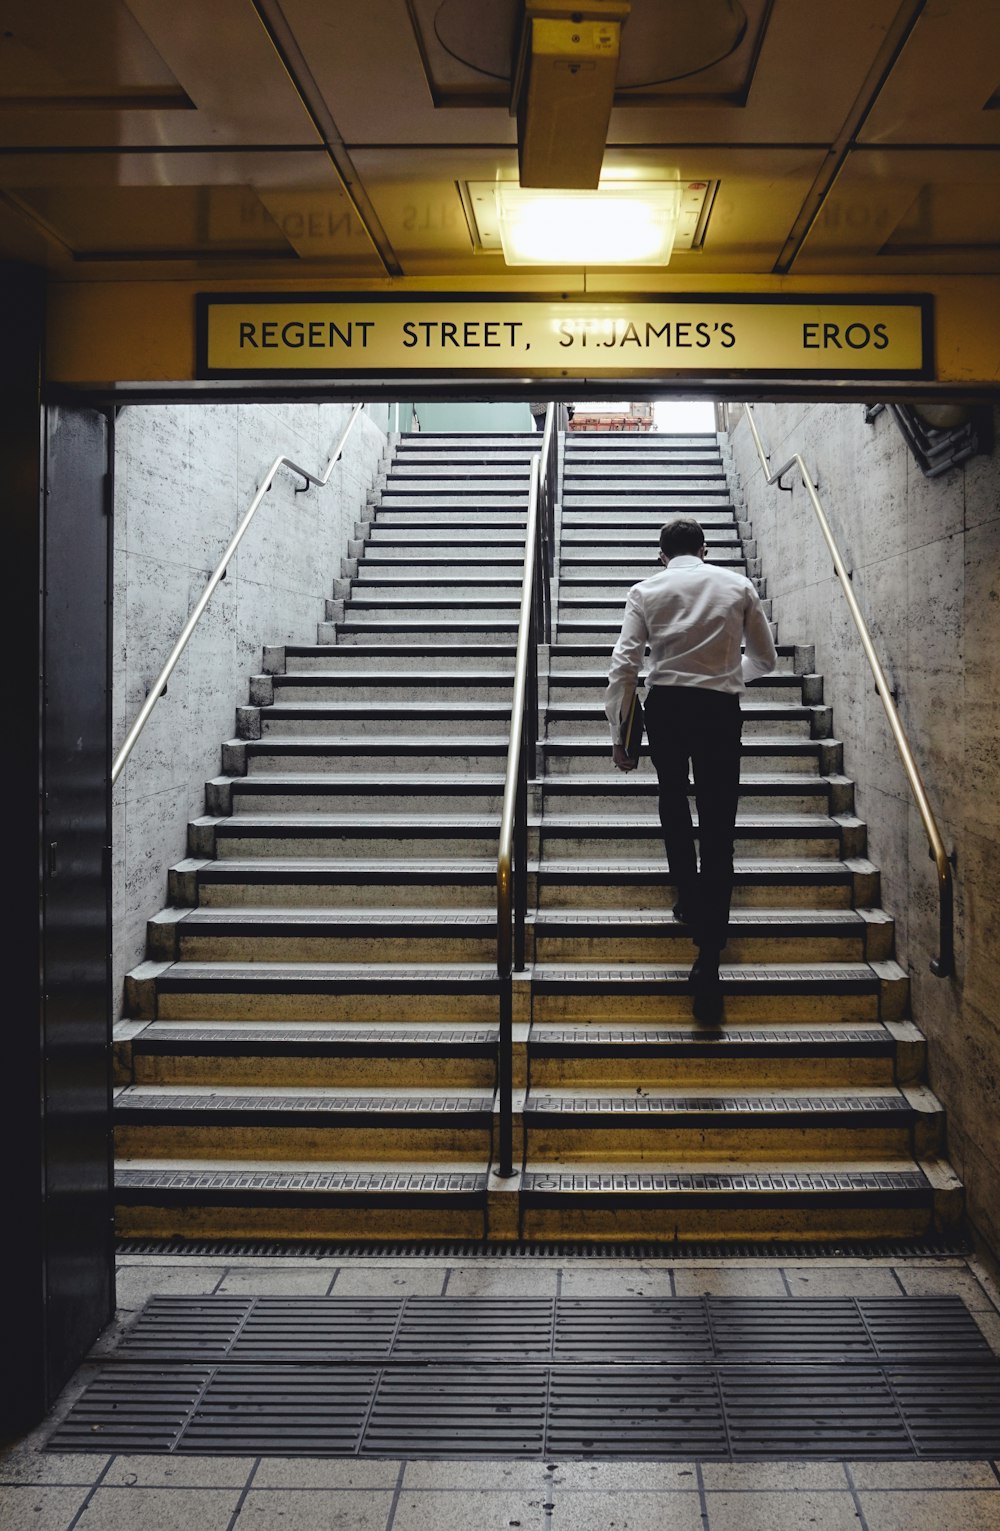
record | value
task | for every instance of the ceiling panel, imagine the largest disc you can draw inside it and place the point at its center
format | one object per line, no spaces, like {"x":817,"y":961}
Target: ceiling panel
{"x":944,"y":87}
{"x":222,"y":204}
{"x":366,"y":62}
{"x":900,"y":211}
{"x":209,"y":69}
{"x":813,"y":61}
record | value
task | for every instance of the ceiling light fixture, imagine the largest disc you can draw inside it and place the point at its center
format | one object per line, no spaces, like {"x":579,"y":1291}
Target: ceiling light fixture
{"x":624,"y":224}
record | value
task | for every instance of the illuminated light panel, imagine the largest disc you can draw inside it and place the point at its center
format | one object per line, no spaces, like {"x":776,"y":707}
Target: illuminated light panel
{"x":625,"y":225}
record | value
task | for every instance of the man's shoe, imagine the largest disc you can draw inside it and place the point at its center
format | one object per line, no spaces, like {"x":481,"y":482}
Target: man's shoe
{"x":708,"y":1006}
{"x":680,"y":916}
{"x":707,"y":986}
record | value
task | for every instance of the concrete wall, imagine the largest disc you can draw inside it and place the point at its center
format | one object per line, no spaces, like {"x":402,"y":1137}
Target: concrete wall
{"x":184,"y":476}
{"x":925,"y":555}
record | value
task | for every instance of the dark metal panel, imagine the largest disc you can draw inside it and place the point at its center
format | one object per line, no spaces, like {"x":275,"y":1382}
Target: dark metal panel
{"x":75,"y":828}
{"x":22,"y":310}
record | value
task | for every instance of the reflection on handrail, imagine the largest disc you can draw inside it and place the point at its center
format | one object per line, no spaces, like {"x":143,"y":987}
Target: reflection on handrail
{"x":534,"y":627}
{"x":156,"y":690}
{"x":942,"y":966}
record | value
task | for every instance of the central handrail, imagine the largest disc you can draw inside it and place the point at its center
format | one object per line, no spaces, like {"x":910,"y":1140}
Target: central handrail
{"x":219,"y":573}
{"x":534,"y":627}
{"x":942,"y":966}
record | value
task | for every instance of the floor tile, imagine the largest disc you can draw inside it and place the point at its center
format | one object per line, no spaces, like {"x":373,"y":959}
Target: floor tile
{"x":623,"y":1477}
{"x":313,"y":1510}
{"x":930,"y":1510}
{"x":510,"y":1280}
{"x":911,"y":1475}
{"x":24,"y":1465}
{"x":627,"y":1512}
{"x":40,"y":1507}
{"x":159,"y":1509}
{"x":388,"y":1281}
{"x":774,"y":1475}
{"x":944,"y":1283}
{"x":731,"y":1281}
{"x":526,"y":1476}
{"x":584,"y":1281}
{"x":178,"y":1472}
{"x":326,"y":1473}
{"x":783,"y":1512}
{"x":473,"y":1511}
{"x":137,"y":1284}
{"x":276,"y":1283}
{"x":840,"y":1281}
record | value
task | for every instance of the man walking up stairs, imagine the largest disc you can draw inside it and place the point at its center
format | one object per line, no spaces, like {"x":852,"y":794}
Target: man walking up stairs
{"x":310,"y":1050}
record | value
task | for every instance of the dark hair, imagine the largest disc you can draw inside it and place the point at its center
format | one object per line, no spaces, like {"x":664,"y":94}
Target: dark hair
{"x":682,"y":535}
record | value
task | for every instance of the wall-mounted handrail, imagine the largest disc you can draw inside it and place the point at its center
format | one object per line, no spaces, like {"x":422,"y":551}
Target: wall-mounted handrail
{"x":534,"y":627}
{"x":943,"y":964}
{"x":156,"y":690}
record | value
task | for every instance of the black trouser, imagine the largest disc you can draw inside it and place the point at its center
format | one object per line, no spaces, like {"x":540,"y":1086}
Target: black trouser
{"x":689,"y":723}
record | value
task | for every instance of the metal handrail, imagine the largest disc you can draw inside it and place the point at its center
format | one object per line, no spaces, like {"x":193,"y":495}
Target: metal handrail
{"x":534,"y":627}
{"x":942,"y":966}
{"x":219,"y":573}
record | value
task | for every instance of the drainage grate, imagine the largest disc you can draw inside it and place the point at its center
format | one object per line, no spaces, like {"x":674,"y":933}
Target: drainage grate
{"x":583,"y":1249}
{"x":711,"y":1377}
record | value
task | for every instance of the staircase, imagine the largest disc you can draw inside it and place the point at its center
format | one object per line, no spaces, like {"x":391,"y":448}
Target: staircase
{"x":310,"y":1049}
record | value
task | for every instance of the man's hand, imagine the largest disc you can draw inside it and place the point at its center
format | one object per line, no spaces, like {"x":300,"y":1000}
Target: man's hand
{"x":622,"y":761}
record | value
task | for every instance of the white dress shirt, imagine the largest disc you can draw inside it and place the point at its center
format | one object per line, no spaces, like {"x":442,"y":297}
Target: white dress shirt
{"x":694,"y":616}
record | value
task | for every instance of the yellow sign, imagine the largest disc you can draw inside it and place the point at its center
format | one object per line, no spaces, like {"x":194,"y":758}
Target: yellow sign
{"x":525,"y":336}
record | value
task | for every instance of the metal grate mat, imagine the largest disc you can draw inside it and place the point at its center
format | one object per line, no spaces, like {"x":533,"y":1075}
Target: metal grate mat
{"x":724,"y":1378}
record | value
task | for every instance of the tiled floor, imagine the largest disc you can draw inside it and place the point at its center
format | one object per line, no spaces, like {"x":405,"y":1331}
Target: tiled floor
{"x":41,"y":1491}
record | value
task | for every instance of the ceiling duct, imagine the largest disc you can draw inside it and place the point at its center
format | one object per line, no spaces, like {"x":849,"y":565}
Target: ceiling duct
{"x":564,"y":87}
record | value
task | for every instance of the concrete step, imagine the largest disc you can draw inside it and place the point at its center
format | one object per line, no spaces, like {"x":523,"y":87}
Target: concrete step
{"x":648,"y":470}
{"x":411,"y":686}
{"x":445,"y":469}
{"x":386,"y":561}
{"x":568,"y":655}
{"x":456,"y":443}
{"x":873,"y":1121}
{"x":366,"y":993}
{"x":464,"y":590}
{"x":490,"y":601}
{"x":675,"y":1055}
{"x":585,"y":719}
{"x":785,"y":835}
{"x":347,"y":882}
{"x":338,"y":1199}
{"x":408,"y":657}
{"x":428,"y":752}
{"x":405,"y":508}
{"x":282,"y":934}
{"x":331,"y":834}
{"x":392,"y":717}
{"x":791,"y":792}
{"x":755,"y":935}
{"x":412,"y":535}
{"x":446,"y":1055}
{"x":304,"y":1125}
{"x":301,"y":792}
{"x":647,"y":501}
{"x":417,"y":629}
{"x":701,"y":1197}
{"x":586,"y":524}
{"x":781,"y":686}
{"x":777,"y":992}
{"x":569,"y":753}
{"x":761,"y":882}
